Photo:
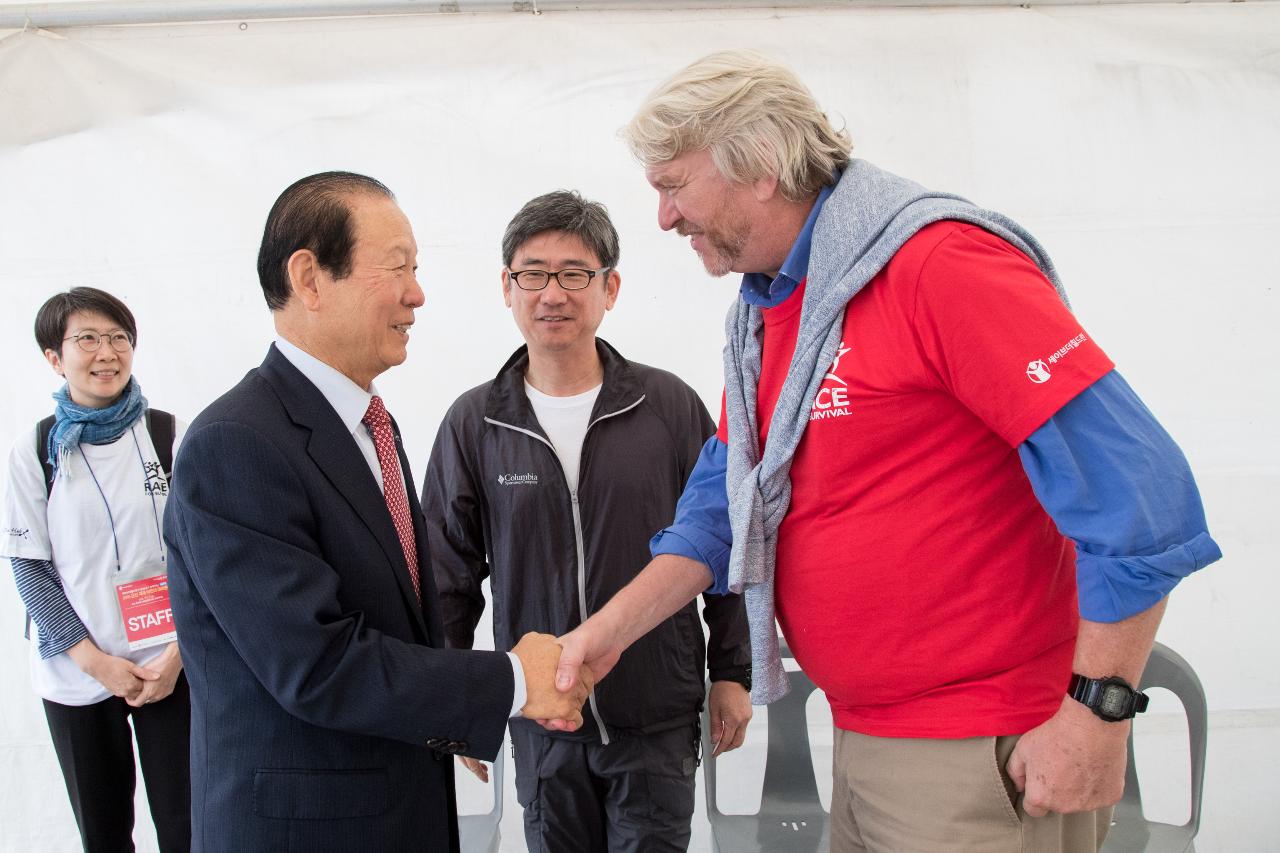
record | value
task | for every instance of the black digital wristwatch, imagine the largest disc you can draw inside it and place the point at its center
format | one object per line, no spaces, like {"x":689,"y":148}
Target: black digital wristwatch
{"x":1112,"y":698}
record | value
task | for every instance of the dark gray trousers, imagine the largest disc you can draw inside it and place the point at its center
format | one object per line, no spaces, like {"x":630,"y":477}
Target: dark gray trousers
{"x":633,"y":796}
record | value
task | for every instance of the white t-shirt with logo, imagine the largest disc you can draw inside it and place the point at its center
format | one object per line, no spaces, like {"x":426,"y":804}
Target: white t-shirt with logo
{"x":565,"y":421}
{"x":73,"y":531}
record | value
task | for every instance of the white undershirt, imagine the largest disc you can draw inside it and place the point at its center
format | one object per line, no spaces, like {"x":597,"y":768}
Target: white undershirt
{"x":565,"y":421}
{"x":350,"y":402}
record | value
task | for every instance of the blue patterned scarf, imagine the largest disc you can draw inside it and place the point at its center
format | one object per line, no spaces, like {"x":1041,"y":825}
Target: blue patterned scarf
{"x":74,"y":423}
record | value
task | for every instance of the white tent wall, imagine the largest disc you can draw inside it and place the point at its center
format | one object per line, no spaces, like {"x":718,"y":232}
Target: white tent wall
{"x":1137,"y":142}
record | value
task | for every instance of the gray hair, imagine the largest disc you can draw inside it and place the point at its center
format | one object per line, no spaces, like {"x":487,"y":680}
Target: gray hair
{"x":752,"y":113}
{"x":568,"y":212}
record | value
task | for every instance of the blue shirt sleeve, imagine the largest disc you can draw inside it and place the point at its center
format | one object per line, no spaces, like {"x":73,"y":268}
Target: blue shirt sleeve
{"x":701,"y":529}
{"x":1117,"y":485}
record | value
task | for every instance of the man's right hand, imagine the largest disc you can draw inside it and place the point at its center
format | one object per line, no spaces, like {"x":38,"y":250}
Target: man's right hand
{"x":591,"y":650}
{"x":668,"y":583}
{"x":539,"y":654}
{"x":587,"y":653}
{"x":591,"y":645}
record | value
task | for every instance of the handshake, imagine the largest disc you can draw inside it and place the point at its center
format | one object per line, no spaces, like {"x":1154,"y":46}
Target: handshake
{"x":556,"y":684}
{"x":553,"y":705}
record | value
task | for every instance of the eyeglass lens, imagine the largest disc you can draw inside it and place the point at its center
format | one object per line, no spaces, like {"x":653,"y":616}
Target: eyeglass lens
{"x":569,"y":279}
{"x":92,"y":341}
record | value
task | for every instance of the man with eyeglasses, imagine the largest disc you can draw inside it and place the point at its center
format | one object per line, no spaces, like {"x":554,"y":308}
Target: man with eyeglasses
{"x":550,"y":480}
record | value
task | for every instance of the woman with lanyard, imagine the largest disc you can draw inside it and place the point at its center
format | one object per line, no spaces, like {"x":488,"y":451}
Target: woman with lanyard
{"x":88,"y":558}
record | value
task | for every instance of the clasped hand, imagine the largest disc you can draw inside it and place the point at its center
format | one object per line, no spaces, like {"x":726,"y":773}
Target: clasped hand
{"x":132,"y":682}
{"x":552,"y":708}
{"x":539,"y":654}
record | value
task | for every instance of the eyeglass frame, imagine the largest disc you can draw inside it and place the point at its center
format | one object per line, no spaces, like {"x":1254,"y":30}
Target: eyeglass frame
{"x":591,"y":276}
{"x":110,"y":337}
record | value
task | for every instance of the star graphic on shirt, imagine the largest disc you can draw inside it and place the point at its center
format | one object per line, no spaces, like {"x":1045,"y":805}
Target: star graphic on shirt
{"x":835,"y":365}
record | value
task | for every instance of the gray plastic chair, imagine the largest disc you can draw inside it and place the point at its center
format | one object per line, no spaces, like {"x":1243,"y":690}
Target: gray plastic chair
{"x":1131,"y":832}
{"x":791,"y":816}
{"x":479,"y":833}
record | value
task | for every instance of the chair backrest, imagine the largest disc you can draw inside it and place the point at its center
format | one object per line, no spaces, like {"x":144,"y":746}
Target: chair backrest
{"x":791,"y":815}
{"x":789,"y":778}
{"x":480,"y":833}
{"x":1132,"y":831}
{"x":788,"y":769}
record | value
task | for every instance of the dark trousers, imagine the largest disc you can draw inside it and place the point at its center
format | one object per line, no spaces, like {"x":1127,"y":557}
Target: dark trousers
{"x":95,"y":749}
{"x":633,"y":796}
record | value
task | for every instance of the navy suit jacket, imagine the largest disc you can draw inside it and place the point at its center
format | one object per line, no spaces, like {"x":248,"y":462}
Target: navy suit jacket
{"x":324,"y":704}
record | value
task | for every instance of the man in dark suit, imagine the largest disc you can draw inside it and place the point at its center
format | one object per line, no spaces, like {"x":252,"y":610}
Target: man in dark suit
{"x":324,"y":704}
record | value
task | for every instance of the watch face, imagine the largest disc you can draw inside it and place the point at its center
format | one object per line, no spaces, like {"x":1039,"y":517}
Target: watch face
{"x":1114,"y":701}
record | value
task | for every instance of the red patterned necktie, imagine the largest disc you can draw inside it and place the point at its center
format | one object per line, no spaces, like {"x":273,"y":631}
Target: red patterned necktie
{"x":379,"y":424}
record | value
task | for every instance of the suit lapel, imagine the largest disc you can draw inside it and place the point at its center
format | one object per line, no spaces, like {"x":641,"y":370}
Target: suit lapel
{"x":336,"y":454}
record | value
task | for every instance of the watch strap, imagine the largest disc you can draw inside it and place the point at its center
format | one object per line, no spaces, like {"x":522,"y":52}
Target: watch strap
{"x":1089,"y":692}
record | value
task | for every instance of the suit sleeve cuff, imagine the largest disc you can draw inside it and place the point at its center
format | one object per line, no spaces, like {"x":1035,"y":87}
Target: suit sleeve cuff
{"x":1114,"y":588}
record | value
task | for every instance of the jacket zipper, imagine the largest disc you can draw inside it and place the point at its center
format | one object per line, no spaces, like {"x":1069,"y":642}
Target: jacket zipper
{"x":582,"y":599}
{"x":579,"y":547}
{"x":582,"y":552}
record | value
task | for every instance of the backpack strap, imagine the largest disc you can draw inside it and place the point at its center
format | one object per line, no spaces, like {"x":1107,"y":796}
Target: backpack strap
{"x":162,"y":426}
{"x":42,"y":452}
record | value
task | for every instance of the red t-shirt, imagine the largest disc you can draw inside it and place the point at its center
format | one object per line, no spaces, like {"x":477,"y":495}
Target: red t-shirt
{"x":919,"y":582}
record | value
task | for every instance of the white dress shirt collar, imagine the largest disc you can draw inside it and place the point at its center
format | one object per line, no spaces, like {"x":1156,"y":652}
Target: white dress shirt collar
{"x":348,"y":399}
{"x":351,"y":401}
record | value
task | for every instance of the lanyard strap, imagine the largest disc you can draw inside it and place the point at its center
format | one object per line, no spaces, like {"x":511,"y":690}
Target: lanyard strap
{"x":155,"y":512}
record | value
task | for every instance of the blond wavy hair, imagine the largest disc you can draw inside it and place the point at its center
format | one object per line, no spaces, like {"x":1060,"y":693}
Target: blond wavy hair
{"x":752,"y":113}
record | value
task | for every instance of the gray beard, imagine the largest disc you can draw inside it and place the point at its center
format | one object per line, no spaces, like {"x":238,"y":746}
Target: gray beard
{"x":726,"y":253}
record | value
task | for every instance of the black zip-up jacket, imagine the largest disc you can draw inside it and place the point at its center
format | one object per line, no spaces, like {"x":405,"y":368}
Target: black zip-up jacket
{"x":498,"y":505}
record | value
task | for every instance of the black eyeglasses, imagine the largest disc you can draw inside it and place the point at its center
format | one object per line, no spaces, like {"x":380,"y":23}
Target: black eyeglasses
{"x":568,"y":279}
{"x":92,"y":341}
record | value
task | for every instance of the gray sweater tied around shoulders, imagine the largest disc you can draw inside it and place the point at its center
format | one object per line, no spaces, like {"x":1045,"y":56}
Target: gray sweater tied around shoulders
{"x":867,"y":218}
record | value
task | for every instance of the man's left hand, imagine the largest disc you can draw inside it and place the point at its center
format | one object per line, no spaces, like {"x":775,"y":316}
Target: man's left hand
{"x":730,"y":707}
{"x":476,"y":766}
{"x":1074,"y":762}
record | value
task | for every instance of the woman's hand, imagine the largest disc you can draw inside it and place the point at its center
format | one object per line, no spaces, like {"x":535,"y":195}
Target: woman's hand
{"x":121,"y":676}
{"x":168,"y":664}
